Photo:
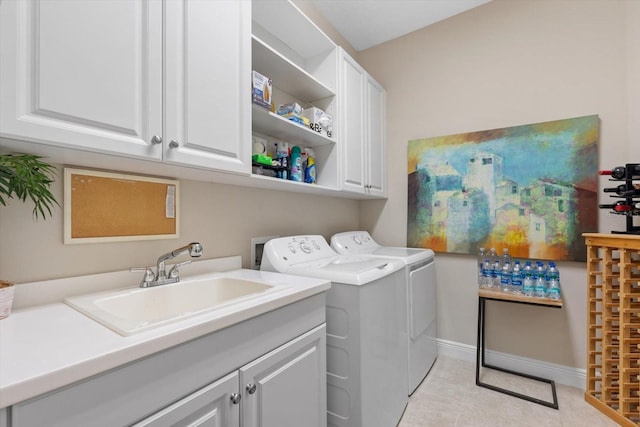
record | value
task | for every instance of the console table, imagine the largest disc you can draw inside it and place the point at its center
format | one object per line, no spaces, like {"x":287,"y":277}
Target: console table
{"x":495,"y":295}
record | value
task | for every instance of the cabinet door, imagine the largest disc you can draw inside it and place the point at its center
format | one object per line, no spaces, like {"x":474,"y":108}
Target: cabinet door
{"x":352,"y":123}
{"x":287,"y":387}
{"x":211,"y":406}
{"x":208,"y":106}
{"x":82,"y":74}
{"x":375,"y":102}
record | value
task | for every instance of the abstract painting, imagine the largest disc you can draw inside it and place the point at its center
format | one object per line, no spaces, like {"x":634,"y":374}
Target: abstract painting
{"x":531,"y":189}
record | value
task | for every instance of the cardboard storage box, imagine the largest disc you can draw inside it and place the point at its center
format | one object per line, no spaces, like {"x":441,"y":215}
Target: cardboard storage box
{"x":261,"y":90}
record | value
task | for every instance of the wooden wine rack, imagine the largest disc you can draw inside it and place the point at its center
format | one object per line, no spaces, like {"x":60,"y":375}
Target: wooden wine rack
{"x":613,"y":331}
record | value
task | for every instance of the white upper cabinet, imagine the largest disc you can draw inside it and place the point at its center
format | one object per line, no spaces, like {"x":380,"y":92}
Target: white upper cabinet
{"x":352,"y":123}
{"x":104,"y":76}
{"x":362,"y":130}
{"x":82,"y":74}
{"x":208,"y":67}
{"x":375,"y":160}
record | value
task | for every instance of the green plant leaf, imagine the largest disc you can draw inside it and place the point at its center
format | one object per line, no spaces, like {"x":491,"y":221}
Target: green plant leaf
{"x":25,"y":176}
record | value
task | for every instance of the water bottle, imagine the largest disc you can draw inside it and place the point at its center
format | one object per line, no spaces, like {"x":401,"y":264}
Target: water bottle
{"x":517,"y":276}
{"x":553,"y":291}
{"x":553,"y":281}
{"x":482,"y":256}
{"x":496,"y":271}
{"x":553,"y":272}
{"x":527,"y":280}
{"x":505,"y":257}
{"x":540,"y":283}
{"x":486,"y":274}
{"x":505,"y":277}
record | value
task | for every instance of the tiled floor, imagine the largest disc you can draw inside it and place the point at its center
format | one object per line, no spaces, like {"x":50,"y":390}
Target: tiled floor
{"x":449,"y":397}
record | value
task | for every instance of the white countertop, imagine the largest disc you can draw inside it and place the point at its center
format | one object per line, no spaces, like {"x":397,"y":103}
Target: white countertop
{"x":49,"y":346}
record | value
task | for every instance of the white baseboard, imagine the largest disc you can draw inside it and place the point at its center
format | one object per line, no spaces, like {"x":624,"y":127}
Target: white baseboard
{"x":561,"y":374}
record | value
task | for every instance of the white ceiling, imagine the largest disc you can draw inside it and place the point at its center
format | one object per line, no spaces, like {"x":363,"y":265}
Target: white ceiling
{"x":367,"y":23}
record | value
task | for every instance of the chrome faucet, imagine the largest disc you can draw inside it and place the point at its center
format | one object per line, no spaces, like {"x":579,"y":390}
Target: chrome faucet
{"x":160,"y":277}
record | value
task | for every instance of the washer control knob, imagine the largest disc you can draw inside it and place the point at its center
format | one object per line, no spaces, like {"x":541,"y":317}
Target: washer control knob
{"x":305,"y":247}
{"x":357,"y":240}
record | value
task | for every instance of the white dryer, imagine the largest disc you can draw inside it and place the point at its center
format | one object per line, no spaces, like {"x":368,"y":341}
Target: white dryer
{"x":366,"y":328}
{"x":420,"y":279}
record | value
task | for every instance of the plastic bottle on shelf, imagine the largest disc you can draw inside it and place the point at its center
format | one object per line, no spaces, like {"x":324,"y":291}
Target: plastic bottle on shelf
{"x":527,"y":281}
{"x":517,"y":275}
{"x":310,"y":168}
{"x":553,"y":272}
{"x":282,"y":156}
{"x":505,"y":277}
{"x":553,"y":289}
{"x":495,"y":268}
{"x":553,"y":281}
{"x":540,"y":283}
{"x":505,"y":257}
{"x":295,"y":173}
{"x":481,"y":258}
{"x":486,"y":274}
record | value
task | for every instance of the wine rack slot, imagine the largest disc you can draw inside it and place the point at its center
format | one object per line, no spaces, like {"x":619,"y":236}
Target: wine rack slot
{"x":613,"y":326}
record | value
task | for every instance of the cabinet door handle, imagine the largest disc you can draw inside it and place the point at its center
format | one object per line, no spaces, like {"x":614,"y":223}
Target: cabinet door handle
{"x":235,"y":398}
{"x":251,"y":388}
{"x":156,"y":139}
{"x":174,"y":144}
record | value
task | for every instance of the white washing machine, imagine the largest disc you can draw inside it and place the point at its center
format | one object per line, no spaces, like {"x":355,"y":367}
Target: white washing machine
{"x":366,"y":328}
{"x":420,"y":279}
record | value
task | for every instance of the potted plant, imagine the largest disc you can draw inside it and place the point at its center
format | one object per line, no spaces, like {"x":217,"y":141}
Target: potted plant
{"x":24,"y":176}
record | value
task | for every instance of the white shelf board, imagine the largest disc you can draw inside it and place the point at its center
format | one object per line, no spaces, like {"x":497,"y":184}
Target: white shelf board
{"x":271,"y":124}
{"x":285,"y":21}
{"x":286,"y":75}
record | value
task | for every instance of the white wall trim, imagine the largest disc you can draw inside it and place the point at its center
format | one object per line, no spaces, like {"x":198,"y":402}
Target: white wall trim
{"x":561,"y":374}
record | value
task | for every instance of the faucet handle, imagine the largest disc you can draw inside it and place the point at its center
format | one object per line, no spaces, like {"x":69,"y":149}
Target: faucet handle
{"x":149,"y":276}
{"x":175,"y":272}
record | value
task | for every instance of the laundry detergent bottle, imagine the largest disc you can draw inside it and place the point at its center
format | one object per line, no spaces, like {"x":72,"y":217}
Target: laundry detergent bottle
{"x":296,"y":164}
{"x":310,"y":169}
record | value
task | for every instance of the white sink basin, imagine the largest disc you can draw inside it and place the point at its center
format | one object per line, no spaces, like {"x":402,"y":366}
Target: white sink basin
{"x":135,"y":310}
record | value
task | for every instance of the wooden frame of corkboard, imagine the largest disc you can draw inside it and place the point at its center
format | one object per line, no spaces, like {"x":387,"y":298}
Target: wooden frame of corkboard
{"x":112,"y":207}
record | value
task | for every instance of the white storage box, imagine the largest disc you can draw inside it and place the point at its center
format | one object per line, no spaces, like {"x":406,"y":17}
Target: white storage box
{"x":319,"y":121}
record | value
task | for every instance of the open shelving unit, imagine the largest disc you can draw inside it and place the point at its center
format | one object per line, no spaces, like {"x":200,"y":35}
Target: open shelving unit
{"x":613,"y":329}
{"x":301,"y":61}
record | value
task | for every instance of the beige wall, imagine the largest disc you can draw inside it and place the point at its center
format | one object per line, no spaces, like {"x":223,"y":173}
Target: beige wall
{"x":502,"y":64}
{"x":223,"y":218}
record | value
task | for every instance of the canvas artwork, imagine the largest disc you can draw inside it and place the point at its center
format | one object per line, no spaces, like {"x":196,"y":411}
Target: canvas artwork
{"x":531,"y":188}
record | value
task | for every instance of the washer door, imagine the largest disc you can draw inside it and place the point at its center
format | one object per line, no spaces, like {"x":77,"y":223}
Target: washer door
{"x":422,"y":298}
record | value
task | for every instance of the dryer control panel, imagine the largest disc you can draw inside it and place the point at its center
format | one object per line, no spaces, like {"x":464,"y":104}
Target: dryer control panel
{"x":353,"y":242}
{"x":284,"y":252}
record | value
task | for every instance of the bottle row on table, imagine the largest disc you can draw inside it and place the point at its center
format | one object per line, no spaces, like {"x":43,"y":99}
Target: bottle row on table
{"x":503,"y":273}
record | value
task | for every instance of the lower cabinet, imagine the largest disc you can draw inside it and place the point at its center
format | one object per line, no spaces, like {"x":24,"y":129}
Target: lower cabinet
{"x":285,"y":387}
{"x":268,"y":371}
{"x":214,"y":405}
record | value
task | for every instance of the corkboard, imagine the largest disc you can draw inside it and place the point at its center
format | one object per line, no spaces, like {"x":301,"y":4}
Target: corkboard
{"x":104,"y":206}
